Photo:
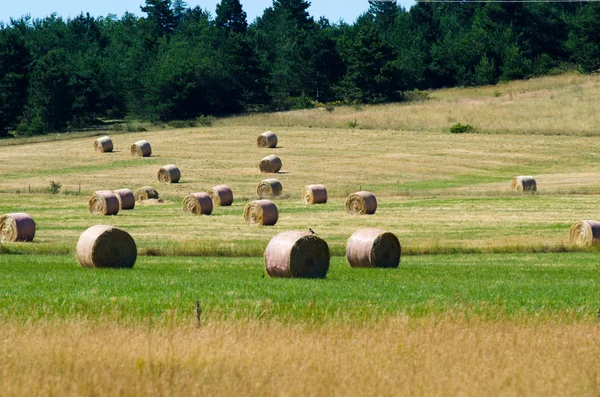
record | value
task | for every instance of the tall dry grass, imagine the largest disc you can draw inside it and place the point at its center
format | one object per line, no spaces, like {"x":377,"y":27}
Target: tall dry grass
{"x":434,"y":356}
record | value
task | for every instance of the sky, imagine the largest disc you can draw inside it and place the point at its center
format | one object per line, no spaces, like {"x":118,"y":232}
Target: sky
{"x":334,"y":10}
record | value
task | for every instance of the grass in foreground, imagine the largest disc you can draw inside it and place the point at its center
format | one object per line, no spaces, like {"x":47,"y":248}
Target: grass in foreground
{"x":559,"y":287}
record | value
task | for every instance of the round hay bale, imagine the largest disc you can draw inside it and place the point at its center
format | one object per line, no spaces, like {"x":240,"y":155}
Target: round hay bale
{"x":270,"y":164}
{"x":267,"y":139}
{"x":221,"y":195}
{"x":370,"y":247}
{"x":523,"y":184}
{"x":585,"y":233}
{"x":145,"y":193}
{"x":141,"y":149}
{"x":126,"y":198}
{"x":17,"y":226}
{"x":361,"y":203}
{"x":169,"y":174}
{"x":103,"y":144}
{"x":261,"y":212}
{"x":297,"y":254}
{"x":103,"y":202}
{"x":197,"y":204}
{"x":314,"y":194}
{"x":269,"y":188}
{"x":106,"y":246}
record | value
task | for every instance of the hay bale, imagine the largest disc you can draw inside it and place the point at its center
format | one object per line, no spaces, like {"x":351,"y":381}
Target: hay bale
{"x":361,"y":203}
{"x":169,"y":174}
{"x":221,"y":195}
{"x":523,"y":184}
{"x":267,"y":139}
{"x":17,"y":226}
{"x":270,"y":164}
{"x":145,"y":193}
{"x":297,"y":254}
{"x":585,"y":233}
{"x":261,"y":212}
{"x":269,"y":188}
{"x":126,"y":198}
{"x":314,"y":194}
{"x":103,"y":144}
{"x":106,"y":246}
{"x":103,"y":202}
{"x":141,"y":149}
{"x":197,"y":204}
{"x":370,"y":247}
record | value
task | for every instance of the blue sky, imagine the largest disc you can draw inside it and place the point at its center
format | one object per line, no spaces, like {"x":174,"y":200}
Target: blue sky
{"x":348,"y":10}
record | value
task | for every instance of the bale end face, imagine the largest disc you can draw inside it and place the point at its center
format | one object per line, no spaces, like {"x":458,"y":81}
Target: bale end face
{"x":17,"y":226}
{"x":297,"y":255}
{"x":103,"y":246}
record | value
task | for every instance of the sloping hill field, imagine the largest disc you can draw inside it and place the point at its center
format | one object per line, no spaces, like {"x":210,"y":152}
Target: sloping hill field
{"x":489,"y":297}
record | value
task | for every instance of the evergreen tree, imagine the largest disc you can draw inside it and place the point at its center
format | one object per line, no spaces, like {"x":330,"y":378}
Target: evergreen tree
{"x":161,"y":13}
{"x":231,"y":17}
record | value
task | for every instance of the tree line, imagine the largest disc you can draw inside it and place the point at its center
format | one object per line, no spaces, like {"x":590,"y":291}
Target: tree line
{"x":178,"y":62}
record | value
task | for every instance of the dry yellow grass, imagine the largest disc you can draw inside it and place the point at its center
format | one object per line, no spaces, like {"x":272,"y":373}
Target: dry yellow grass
{"x":436,"y":356}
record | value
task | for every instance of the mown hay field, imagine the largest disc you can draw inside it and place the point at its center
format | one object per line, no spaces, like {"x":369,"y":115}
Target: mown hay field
{"x":507,"y":305}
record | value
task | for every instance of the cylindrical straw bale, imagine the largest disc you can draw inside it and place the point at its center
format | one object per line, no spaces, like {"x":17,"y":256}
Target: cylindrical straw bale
{"x":361,"y":203}
{"x":261,"y":212}
{"x":104,"y":202}
{"x":17,"y":226}
{"x":267,"y":139}
{"x":270,"y":164}
{"x":141,"y":149}
{"x":297,"y":254}
{"x":269,"y":188}
{"x":373,"y":248}
{"x":585,"y":233}
{"x":106,"y":246}
{"x":126,"y":198}
{"x":314,"y":194}
{"x":169,"y":174}
{"x":221,"y":195}
{"x":197,"y":204}
{"x":523,"y":184}
{"x":145,"y":193}
{"x":103,"y":144}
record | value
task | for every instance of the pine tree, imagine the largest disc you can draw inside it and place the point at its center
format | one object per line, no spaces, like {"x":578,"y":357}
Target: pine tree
{"x":160,"y":12}
{"x":297,"y":10}
{"x":231,"y":16}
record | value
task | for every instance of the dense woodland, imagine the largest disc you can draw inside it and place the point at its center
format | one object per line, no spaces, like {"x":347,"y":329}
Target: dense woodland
{"x":178,"y":63}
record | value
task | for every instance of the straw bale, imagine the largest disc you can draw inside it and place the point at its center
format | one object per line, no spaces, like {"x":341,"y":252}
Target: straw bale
{"x":371,"y":247}
{"x":585,"y":233}
{"x":197,"y":204}
{"x":103,"y":202}
{"x":141,"y":149}
{"x":106,"y":246}
{"x":267,"y":139}
{"x":523,"y":184}
{"x":17,"y":226}
{"x":145,"y":193}
{"x":314,"y":194}
{"x":169,"y":174}
{"x":297,"y":254}
{"x":269,"y":188}
{"x":221,"y":195}
{"x":261,"y":212}
{"x":126,"y":198}
{"x":361,"y":203}
{"x":270,"y":164}
{"x":103,"y":144}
